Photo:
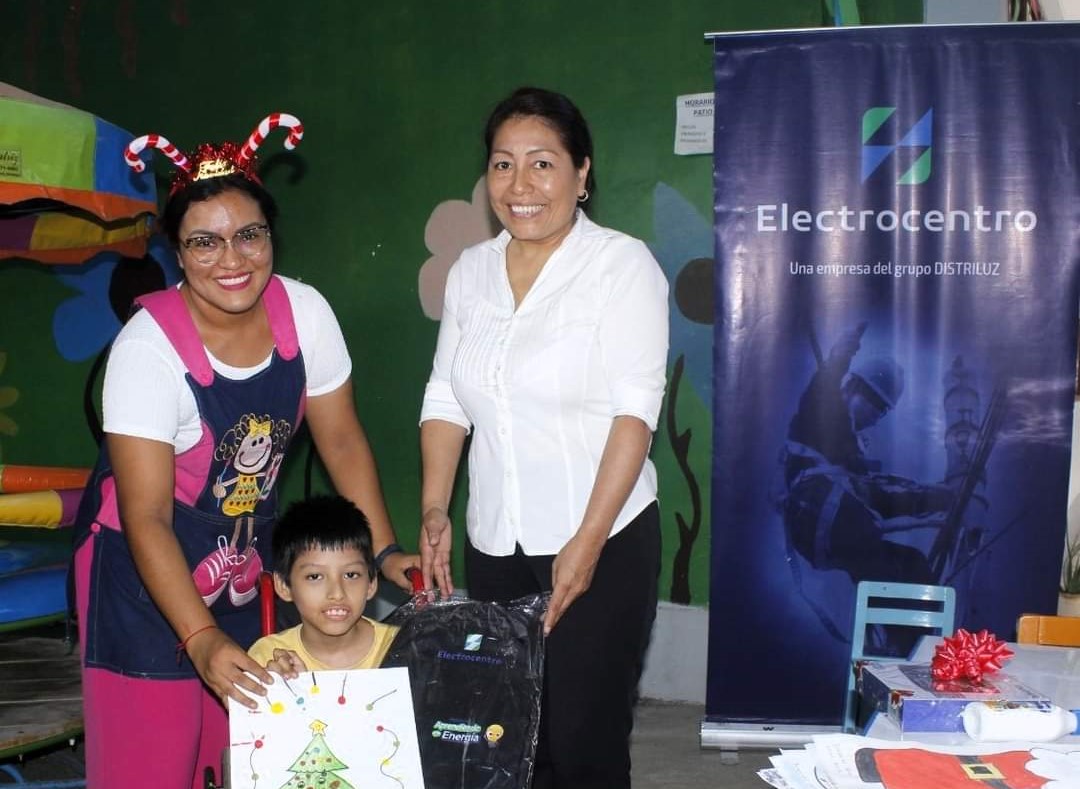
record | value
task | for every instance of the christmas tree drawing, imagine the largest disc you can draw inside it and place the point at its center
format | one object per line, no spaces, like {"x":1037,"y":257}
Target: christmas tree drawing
{"x":315,"y":767}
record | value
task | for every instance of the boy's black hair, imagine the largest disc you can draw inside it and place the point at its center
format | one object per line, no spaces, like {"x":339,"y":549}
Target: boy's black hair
{"x":330,"y":523}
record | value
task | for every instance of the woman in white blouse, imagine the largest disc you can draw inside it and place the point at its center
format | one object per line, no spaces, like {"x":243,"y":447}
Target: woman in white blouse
{"x":553,"y":353}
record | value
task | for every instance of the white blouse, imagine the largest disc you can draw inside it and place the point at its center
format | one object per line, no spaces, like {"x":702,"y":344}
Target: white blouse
{"x":540,"y":385}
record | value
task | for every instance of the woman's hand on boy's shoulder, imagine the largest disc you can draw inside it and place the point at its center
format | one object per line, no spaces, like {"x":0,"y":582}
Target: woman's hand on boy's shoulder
{"x":287,"y":663}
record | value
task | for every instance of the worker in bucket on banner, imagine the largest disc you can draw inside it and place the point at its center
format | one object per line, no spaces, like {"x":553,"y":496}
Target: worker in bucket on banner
{"x":839,"y":509}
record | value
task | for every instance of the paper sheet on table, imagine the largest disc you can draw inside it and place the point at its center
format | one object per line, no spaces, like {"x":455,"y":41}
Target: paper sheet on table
{"x":795,"y":769}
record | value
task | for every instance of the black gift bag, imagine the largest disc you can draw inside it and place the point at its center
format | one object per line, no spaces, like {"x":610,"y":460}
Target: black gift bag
{"x":476,"y":672}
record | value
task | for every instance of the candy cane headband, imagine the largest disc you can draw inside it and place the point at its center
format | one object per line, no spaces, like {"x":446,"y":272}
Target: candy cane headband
{"x":214,"y":161}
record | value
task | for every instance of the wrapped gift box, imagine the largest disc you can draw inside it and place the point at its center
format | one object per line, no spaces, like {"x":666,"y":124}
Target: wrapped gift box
{"x":916,"y":702}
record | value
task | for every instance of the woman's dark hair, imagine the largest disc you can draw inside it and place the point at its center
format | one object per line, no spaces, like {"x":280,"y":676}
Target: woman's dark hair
{"x":558,"y":112}
{"x":198,"y":191}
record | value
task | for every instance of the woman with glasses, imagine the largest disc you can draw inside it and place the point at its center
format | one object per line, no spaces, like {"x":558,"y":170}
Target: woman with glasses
{"x":204,"y":388}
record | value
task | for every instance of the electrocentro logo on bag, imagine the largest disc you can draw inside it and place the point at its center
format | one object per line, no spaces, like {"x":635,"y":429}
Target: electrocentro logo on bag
{"x":918,"y":136}
{"x":469,"y":657}
{"x":470,"y":652}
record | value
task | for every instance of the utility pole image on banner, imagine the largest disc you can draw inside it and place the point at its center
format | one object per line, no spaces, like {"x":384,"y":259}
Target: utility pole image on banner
{"x":839,"y":499}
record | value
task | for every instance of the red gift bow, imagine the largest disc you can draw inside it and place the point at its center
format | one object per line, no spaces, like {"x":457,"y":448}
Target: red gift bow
{"x":969,"y":656}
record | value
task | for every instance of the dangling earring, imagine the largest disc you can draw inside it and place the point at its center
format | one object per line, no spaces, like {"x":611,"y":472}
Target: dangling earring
{"x":583,"y":198}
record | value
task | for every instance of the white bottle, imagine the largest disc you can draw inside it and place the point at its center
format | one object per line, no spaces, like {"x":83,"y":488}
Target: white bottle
{"x":1002,"y":721}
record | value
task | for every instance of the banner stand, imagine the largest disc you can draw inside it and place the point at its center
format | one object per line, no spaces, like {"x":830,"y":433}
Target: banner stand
{"x":896,"y":280}
{"x":730,"y":737}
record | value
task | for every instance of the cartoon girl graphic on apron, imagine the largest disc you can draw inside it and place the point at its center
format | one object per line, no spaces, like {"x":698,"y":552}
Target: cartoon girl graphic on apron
{"x":224,"y":501}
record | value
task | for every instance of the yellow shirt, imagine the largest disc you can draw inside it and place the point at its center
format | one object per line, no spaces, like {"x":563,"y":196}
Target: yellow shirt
{"x":263,"y":649}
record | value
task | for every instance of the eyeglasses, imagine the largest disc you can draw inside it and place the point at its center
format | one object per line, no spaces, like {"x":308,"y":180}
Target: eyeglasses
{"x":208,"y":250}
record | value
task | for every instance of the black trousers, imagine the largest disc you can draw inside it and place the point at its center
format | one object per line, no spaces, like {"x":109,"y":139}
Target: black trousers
{"x":593,"y":657}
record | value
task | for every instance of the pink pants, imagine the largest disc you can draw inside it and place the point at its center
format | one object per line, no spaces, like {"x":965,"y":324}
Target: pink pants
{"x":145,"y":732}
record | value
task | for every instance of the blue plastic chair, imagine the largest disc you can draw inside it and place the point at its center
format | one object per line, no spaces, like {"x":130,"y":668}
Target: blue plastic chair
{"x":879,"y":603}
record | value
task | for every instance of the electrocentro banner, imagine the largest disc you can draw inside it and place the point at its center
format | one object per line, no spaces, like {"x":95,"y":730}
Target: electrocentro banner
{"x":896,"y":222}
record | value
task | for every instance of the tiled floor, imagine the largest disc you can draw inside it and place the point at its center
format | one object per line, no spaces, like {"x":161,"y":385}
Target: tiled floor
{"x":666,"y":752}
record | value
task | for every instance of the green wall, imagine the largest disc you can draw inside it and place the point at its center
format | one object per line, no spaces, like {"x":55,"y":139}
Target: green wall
{"x":393,"y":96}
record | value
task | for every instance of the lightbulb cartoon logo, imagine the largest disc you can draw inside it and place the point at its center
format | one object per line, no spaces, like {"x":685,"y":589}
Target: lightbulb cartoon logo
{"x":492,"y":734}
{"x":918,"y":136}
{"x":253,"y":450}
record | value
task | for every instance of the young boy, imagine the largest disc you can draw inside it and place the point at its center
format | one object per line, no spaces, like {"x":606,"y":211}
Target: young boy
{"x":324,"y":565}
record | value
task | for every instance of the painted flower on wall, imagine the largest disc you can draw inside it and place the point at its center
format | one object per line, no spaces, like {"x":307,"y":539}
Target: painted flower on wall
{"x":684,"y":250}
{"x":8,"y":396}
{"x":107,"y":285}
{"x":453,"y":226}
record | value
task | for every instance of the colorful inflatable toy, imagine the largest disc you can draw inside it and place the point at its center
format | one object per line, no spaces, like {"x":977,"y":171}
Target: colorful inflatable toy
{"x":33,"y":597}
{"x":34,"y":562}
{"x":28,"y":479}
{"x":19,"y":555}
{"x":49,"y":509}
{"x":43,"y":496}
{"x":64,"y":162}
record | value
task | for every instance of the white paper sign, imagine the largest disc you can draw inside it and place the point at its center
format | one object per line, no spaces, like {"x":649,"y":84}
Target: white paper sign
{"x":694,"y":124}
{"x":344,"y":729}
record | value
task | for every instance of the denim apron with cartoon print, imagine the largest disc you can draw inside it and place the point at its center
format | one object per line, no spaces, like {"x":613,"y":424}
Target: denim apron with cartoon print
{"x":224,"y":504}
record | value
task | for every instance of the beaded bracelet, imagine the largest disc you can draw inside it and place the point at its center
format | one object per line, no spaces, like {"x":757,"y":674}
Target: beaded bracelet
{"x":392,"y":548}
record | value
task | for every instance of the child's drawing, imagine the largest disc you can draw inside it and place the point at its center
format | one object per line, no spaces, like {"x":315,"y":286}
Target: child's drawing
{"x":328,"y":730}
